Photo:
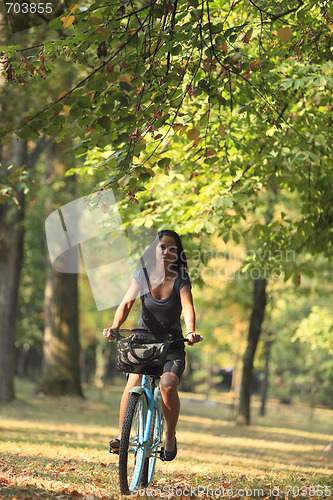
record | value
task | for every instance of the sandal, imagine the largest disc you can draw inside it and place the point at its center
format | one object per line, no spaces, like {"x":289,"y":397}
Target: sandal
{"x":114,"y":446}
{"x":168,"y":456}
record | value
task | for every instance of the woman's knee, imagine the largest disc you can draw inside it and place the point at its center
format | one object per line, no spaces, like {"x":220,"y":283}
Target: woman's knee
{"x":169,"y":382}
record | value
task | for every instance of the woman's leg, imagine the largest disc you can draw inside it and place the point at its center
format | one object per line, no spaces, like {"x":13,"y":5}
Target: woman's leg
{"x":170,"y":405}
{"x":133,"y":380}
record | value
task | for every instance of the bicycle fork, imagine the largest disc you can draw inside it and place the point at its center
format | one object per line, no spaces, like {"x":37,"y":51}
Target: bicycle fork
{"x":156,"y":412}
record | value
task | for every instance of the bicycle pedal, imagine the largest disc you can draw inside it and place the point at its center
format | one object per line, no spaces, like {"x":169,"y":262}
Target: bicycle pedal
{"x":115,"y":451}
{"x":114,"y":446}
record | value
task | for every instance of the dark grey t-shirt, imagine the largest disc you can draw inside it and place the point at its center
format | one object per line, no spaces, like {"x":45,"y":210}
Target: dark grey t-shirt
{"x":161,"y":316}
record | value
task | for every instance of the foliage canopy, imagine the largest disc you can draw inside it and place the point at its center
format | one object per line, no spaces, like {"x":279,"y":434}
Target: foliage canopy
{"x":237,"y":94}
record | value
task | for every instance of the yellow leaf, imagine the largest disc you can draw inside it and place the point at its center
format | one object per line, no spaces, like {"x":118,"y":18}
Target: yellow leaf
{"x":66,"y":108}
{"x":73,"y":7}
{"x":255,"y":64}
{"x":67,"y":21}
{"x":221,"y":130}
{"x":155,"y":47}
{"x":102,"y":30}
{"x":285,"y":33}
{"x":152,"y":47}
{"x":224,"y":72}
{"x":193,"y":134}
{"x":123,"y":181}
{"x":248,"y":35}
{"x":124,"y":78}
{"x":210,"y":152}
{"x":177,"y":126}
{"x":60,"y":96}
{"x":183,"y":130}
{"x":90,"y":131}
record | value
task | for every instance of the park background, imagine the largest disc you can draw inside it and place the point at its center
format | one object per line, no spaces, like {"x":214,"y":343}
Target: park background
{"x":210,"y":119}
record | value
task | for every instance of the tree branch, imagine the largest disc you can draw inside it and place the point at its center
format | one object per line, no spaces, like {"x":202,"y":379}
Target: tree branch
{"x":274,"y":17}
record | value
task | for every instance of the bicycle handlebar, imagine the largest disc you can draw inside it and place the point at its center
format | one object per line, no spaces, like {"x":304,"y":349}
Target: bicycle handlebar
{"x":116,"y":332}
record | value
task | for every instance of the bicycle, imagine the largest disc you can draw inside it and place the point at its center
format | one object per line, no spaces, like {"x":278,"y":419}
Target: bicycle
{"x":142,"y":429}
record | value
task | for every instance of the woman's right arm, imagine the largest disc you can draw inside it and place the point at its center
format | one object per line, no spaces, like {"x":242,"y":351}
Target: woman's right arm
{"x":123,"y":309}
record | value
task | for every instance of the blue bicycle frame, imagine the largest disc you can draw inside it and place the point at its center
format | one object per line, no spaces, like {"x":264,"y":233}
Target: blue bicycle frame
{"x":144,"y":416}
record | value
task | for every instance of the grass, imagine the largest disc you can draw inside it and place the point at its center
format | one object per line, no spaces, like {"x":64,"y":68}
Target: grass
{"x":58,"y":448}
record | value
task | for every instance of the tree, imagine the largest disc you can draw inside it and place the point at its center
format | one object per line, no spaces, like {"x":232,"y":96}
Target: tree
{"x":14,"y":184}
{"x":18,"y":160}
{"x":316,"y":333}
{"x":301,"y":353}
{"x":61,"y":346}
{"x":159,"y":71}
{"x":11,"y":259}
{"x":228,"y":92}
{"x":257,"y":316}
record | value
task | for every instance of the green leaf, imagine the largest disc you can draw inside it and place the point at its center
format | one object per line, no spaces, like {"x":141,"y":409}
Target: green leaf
{"x":164,"y":162}
{"x":105,"y":123}
{"x":210,"y":227}
{"x":55,"y":24}
{"x":126,"y":86}
{"x":27,"y":132}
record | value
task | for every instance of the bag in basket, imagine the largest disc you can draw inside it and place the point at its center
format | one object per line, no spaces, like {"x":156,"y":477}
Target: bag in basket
{"x":140,"y":356}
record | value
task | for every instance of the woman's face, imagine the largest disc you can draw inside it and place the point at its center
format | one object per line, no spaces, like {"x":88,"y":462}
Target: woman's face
{"x":166,"y":251}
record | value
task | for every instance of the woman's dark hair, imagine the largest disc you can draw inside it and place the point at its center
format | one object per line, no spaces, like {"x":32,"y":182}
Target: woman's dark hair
{"x":181,"y":262}
{"x":148,"y":259}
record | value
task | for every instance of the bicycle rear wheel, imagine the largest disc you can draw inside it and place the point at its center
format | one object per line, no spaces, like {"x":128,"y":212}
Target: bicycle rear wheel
{"x":131,"y":450}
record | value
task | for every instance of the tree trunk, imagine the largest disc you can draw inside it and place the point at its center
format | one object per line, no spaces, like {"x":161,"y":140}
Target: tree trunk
{"x":257,"y":316}
{"x":11,"y":256}
{"x":61,"y":347}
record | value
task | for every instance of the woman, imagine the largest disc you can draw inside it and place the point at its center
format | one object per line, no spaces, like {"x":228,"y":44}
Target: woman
{"x":165,"y":290}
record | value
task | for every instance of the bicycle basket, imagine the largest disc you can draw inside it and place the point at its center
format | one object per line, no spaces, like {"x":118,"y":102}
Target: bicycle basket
{"x":140,"y":356}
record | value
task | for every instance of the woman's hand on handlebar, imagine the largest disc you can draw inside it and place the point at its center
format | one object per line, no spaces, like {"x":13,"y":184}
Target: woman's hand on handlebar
{"x":109,"y":333}
{"x":193,"y":337}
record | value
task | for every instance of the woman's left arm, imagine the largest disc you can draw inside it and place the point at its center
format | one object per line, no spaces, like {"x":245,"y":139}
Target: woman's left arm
{"x":189,"y":314}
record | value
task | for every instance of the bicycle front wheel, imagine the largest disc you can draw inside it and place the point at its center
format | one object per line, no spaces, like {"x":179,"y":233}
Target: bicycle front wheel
{"x":150,"y":461}
{"x":132,"y":450}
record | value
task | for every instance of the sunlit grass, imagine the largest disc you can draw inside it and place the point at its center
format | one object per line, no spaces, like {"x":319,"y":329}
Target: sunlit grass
{"x":59,"y":447}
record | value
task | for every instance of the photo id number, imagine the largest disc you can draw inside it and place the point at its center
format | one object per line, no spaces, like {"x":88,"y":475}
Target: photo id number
{"x":28,"y":8}
{"x":308,"y":491}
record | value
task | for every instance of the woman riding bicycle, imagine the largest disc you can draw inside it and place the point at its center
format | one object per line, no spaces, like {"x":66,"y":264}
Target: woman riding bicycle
{"x":165,"y":291}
